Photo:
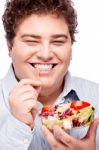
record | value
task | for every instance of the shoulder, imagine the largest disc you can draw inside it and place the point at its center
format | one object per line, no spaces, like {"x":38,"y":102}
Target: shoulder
{"x":85,"y":82}
{"x":86,"y":89}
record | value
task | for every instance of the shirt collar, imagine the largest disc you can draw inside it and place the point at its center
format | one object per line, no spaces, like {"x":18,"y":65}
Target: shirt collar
{"x":69,"y":85}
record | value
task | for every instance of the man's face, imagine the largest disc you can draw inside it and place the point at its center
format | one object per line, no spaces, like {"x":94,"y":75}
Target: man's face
{"x":42,"y":43}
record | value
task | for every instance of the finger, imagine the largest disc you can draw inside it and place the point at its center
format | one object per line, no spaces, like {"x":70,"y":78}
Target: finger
{"x":27,"y":96}
{"x":37,"y":75}
{"x":92,"y":129}
{"x":31,"y":105}
{"x":36,"y":84}
{"x":27,"y":82}
{"x":30,"y":82}
{"x":54,"y":143}
{"x":34,"y":110}
{"x":27,"y":92}
{"x":23,"y":89}
{"x":64,"y":137}
{"x":22,"y":95}
{"x":50,"y":137}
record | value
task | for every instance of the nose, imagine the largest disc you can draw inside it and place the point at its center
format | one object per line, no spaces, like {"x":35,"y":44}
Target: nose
{"x":45,"y":53}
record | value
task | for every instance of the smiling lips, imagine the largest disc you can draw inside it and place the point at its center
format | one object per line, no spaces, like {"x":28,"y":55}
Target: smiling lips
{"x":44,"y":67}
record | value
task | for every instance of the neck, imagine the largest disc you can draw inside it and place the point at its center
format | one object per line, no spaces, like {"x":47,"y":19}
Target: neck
{"x":50,"y":96}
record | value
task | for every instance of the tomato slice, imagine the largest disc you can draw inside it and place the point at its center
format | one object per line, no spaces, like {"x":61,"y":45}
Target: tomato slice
{"x":77,"y":105}
{"x":47,"y":109}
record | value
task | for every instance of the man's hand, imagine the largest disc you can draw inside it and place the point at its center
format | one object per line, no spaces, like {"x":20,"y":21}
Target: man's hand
{"x":23,"y":100}
{"x":63,"y":141}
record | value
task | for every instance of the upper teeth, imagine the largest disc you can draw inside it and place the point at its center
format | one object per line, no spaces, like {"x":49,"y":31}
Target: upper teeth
{"x":43,"y":66}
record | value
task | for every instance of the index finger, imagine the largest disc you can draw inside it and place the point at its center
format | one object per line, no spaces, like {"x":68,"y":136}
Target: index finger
{"x":34,"y":80}
{"x":64,"y":137}
{"x":49,"y":136}
{"x":54,"y":143}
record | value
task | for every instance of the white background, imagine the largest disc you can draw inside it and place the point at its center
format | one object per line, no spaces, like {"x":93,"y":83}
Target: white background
{"x":85,"y":59}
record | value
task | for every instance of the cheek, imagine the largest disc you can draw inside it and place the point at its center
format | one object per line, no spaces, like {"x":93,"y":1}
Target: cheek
{"x":66,"y":57}
{"x":65,"y":53}
{"x":17,"y":59}
{"x":18,"y":55}
{"x":20,"y":51}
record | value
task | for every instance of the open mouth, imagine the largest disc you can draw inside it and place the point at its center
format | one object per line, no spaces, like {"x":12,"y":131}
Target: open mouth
{"x":43,"y":67}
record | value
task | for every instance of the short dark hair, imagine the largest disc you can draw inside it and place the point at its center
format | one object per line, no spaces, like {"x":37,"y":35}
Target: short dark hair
{"x":17,"y":10}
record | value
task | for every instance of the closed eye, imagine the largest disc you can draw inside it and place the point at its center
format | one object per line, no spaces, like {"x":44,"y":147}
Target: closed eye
{"x":32,"y":42}
{"x":59,"y":42}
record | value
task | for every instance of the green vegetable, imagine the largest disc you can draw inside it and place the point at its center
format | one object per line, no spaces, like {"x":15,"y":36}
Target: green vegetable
{"x":86,"y":115}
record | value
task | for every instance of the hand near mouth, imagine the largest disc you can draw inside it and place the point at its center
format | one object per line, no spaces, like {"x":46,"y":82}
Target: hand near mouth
{"x":23,"y":100}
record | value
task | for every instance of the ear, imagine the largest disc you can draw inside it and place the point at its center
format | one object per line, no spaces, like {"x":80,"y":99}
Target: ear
{"x":9,"y":48}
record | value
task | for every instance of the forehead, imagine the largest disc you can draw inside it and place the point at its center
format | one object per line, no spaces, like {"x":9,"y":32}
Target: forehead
{"x":40,"y":24}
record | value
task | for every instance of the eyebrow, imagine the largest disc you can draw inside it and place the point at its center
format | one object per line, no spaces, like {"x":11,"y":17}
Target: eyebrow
{"x":56,"y":36}
{"x":60,"y":36}
{"x":31,"y":35}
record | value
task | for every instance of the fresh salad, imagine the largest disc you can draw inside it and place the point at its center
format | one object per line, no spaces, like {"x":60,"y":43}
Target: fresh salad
{"x":69,"y":115}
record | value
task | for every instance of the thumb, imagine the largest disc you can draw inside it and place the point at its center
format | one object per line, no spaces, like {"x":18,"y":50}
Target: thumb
{"x":92,"y":129}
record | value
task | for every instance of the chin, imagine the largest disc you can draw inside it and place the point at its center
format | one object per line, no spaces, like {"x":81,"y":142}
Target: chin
{"x":46,"y":87}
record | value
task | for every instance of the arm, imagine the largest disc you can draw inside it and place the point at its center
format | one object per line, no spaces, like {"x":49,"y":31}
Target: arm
{"x":15,"y":130}
{"x":63,"y":141}
{"x":14,"y":135}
